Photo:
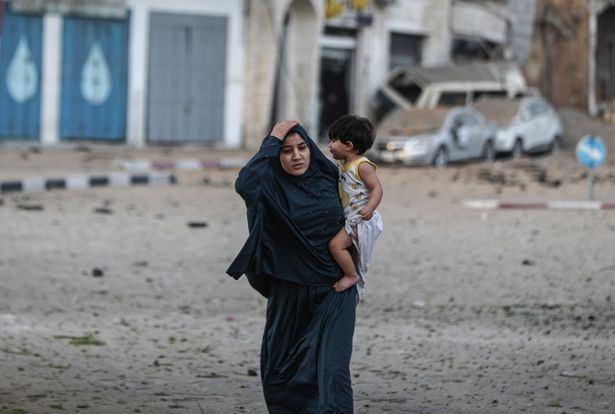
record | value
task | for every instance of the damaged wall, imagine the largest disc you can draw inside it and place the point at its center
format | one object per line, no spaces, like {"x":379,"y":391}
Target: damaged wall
{"x":558,"y":62}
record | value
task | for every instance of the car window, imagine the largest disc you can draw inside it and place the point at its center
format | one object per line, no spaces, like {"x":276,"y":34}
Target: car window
{"x":465,"y":120}
{"x":488,"y":94}
{"x":406,"y":87}
{"x":452,"y":99}
{"x":536,"y":108}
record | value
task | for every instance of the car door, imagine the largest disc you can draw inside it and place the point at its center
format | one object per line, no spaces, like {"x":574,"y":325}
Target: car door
{"x":523,"y":125}
{"x":542,"y":114}
{"x":466,"y":136}
{"x":534,"y":125}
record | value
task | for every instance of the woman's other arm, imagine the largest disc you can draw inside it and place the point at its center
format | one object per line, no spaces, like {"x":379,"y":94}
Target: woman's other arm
{"x":247,"y":182}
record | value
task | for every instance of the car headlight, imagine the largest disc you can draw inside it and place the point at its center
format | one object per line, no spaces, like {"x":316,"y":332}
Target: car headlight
{"x":416,"y":146}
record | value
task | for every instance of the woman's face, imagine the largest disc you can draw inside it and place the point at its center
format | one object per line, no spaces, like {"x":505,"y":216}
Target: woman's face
{"x":295,"y":155}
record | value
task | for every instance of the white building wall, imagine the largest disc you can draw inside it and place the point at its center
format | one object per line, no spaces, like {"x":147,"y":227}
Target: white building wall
{"x":408,"y":17}
{"x":299,"y":72}
{"x":492,"y":27}
{"x":427,"y":18}
{"x":522,"y":17}
{"x":264,"y":26}
{"x":51,"y":79}
{"x":437,"y":20}
{"x":138,"y":61}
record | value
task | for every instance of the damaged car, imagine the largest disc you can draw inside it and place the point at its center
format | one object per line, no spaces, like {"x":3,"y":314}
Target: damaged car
{"x":434,"y":136}
{"x":524,"y":125}
{"x":445,"y":86}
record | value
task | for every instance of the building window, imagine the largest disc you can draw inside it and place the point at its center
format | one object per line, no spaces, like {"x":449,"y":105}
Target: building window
{"x":449,"y":99}
{"x":465,"y":50}
{"x":405,"y":50}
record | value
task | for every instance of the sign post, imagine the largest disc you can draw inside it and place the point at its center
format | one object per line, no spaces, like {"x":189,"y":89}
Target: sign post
{"x":591,"y":152}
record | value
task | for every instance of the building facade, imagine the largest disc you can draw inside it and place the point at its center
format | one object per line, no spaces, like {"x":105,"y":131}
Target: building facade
{"x":206,"y":72}
{"x":315,"y":60}
{"x":133,"y":71}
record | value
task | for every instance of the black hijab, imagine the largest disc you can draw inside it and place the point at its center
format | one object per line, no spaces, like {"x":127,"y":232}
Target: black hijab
{"x":291,"y":218}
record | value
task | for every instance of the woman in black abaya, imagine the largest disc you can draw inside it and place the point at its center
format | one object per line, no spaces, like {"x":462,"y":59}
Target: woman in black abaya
{"x":291,"y":193}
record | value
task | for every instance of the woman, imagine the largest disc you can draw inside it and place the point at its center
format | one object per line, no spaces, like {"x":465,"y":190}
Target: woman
{"x":290,"y":190}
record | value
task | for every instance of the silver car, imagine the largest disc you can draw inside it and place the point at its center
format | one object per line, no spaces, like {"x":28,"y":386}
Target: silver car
{"x":524,"y":125}
{"x":434,"y":136}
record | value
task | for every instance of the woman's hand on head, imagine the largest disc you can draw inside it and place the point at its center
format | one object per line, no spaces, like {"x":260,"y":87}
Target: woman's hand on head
{"x":281,"y":128}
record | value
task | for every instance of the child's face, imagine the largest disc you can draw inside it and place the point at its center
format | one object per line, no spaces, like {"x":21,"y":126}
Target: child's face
{"x":295,"y":155}
{"x":339,"y":150}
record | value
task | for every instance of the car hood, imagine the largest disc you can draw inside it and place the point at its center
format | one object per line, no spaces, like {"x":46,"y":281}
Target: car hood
{"x":403,"y":140}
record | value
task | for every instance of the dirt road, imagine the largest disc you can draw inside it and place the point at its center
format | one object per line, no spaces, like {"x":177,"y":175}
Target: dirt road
{"x":116,"y":301}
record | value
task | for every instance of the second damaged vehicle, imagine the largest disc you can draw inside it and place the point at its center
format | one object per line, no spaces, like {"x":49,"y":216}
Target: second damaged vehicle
{"x":434,"y":136}
{"x":524,"y":125}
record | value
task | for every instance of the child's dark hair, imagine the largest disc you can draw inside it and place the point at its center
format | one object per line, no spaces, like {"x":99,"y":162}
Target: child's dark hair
{"x":355,"y":129}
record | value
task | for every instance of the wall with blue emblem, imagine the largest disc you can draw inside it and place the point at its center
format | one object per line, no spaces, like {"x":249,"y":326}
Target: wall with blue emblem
{"x":20,"y":75}
{"x":94,"y":79}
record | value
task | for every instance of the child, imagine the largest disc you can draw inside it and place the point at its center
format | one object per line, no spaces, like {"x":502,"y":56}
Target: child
{"x":360,"y":192}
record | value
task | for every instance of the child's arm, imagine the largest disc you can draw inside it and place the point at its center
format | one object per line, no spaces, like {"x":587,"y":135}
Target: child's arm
{"x":369,"y":177}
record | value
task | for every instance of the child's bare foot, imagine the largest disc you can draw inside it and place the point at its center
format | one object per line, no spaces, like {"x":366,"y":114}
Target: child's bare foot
{"x":346,"y":282}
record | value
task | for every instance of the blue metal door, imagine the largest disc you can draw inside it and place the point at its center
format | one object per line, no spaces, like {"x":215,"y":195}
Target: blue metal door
{"x":94,"y":79}
{"x":20,"y":75}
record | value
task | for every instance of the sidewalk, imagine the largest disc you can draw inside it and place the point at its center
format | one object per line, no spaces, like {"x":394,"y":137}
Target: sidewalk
{"x":27,"y":168}
{"x":21,"y":160}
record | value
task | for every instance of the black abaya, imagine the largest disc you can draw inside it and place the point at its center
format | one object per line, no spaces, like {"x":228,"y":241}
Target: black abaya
{"x":307,"y":343}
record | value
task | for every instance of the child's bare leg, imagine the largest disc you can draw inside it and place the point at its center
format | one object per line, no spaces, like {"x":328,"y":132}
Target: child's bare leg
{"x":338,"y":246}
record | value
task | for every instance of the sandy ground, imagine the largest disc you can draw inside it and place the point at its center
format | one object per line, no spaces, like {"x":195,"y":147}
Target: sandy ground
{"x":112,"y":302}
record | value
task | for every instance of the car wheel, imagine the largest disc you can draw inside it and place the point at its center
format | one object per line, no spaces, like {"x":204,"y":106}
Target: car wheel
{"x":441,"y":158}
{"x":488,"y":152}
{"x":555,"y":145}
{"x":517,"y":151}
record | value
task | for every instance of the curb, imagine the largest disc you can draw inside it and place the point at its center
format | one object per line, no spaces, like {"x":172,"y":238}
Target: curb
{"x":80,"y":182}
{"x":186,"y":164}
{"x":553,"y":205}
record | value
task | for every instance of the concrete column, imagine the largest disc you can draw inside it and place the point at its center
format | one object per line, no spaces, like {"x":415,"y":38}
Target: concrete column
{"x":137,"y":80}
{"x":437,"y":47}
{"x":51,"y":79}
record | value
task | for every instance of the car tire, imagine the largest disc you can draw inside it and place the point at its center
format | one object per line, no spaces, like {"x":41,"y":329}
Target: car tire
{"x":441,"y":158}
{"x":488,"y":154}
{"x":517,"y":151}
{"x":555,"y":145}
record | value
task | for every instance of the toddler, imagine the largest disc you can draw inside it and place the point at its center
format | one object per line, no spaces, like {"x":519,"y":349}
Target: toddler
{"x":360,"y":192}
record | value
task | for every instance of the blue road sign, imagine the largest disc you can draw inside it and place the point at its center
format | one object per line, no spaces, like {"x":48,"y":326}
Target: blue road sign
{"x":591,"y":151}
